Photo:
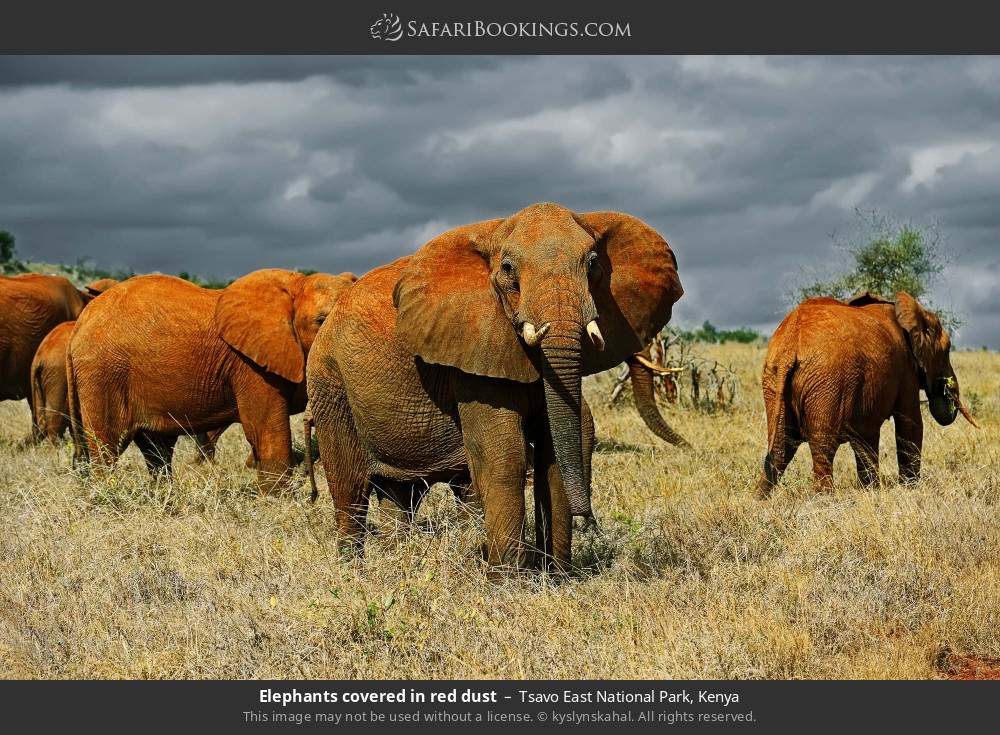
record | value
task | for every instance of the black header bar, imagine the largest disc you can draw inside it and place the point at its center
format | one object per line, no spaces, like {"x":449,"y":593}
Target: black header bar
{"x":510,"y":27}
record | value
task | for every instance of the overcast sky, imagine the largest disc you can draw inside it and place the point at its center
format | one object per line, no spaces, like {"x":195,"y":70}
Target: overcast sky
{"x":220,"y":165}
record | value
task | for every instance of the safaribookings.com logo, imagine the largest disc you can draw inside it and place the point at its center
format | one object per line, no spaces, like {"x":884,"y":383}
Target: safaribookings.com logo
{"x":387,"y":28}
{"x":390,"y":28}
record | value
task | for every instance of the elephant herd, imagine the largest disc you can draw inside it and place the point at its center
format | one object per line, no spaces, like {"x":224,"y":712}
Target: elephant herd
{"x":461,"y":363}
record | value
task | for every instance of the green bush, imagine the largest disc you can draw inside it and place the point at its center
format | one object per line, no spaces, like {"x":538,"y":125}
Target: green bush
{"x":883,"y":257}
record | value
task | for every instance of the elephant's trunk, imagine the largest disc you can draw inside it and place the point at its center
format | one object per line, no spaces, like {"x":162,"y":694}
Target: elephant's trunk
{"x":561,"y":376}
{"x":645,"y":402}
{"x":943,"y":399}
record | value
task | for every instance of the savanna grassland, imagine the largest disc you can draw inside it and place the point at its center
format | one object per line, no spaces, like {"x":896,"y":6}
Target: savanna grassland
{"x":691,"y":576}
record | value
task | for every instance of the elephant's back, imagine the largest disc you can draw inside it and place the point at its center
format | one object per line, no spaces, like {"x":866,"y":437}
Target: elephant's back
{"x":155,"y":302}
{"x":835,"y":348}
{"x":368,"y":301}
{"x":151,"y":319}
{"x":359,"y":331}
{"x":832,"y":330}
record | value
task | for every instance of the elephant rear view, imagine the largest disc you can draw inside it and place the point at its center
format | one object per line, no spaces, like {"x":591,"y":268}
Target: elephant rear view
{"x":157,"y":357}
{"x":836,"y":371}
{"x":49,"y":404}
{"x":31,"y":305}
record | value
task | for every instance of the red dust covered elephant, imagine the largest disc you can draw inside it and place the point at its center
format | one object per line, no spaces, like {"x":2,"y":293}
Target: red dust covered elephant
{"x":157,"y":357}
{"x":31,"y":306}
{"x":835,"y":371}
{"x":456,"y":358}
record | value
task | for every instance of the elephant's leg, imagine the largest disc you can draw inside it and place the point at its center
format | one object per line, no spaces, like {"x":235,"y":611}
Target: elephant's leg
{"x":823,"y":449}
{"x":37,"y":419}
{"x":784,"y":444}
{"x":909,"y":439}
{"x":553,"y":522}
{"x":106,"y":430}
{"x":407,"y":496}
{"x":495,"y":445}
{"x":466,"y":502}
{"x":264,"y":415}
{"x":158,"y":451}
{"x":207,"y":442}
{"x":775,"y":464}
{"x":345,"y":463}
{"x":866,"y":458}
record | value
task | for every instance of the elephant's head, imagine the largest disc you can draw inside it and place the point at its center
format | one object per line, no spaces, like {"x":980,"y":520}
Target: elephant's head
{"x":94,"y":289}
{"x":271,"y":316}
{"x":546,"y":293}
{"x":931,"y":348}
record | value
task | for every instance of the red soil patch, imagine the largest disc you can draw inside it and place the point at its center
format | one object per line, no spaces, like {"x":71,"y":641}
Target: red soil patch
{"x":968,"y":668}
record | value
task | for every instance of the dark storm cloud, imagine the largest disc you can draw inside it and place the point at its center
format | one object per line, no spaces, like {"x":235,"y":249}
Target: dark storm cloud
{"x":747,"y":166}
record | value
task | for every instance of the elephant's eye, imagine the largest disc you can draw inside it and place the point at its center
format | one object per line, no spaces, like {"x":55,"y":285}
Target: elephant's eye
{"x":593,"y":266}
{"x":509,"y":272}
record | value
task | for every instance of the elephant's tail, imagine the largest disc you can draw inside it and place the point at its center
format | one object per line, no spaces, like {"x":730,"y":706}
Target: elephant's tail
{"x":37,"y":400}
{"x":307,"y":424}
{"x":645,"y":401}
{"x":782,"y":370}
{"x":80,"y":454}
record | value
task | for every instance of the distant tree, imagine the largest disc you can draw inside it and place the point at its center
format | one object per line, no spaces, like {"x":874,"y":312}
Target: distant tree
{"x":8,"y":252}
{"x":213,"y":283}
{"x":7,"y":247}
{"x":708,"y":332}
{"x":886,"y":256}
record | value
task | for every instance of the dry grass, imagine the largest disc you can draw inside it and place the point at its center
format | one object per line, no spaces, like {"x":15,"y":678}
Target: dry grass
{"x":693,"y":577}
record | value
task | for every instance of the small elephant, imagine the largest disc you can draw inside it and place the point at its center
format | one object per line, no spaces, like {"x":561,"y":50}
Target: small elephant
{"x":157,"y":357}
{"x":836,"y":371}
{"x":49,"y":406}
{"x":456,"y":358}
{"x":31,"y":305}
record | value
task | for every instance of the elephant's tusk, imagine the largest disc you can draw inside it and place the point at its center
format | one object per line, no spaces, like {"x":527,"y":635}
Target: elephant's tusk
{"x":965,"y":412}
{"x":530,"y":336}
{"x":595,"y":335}
{"x":657,"y":368}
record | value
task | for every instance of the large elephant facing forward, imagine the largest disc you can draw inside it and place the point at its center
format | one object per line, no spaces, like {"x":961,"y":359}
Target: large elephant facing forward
{"x":461,"y":354}
{"x":157,"y":357}
{"x":31,"y":305}
{"x":836,"y":371}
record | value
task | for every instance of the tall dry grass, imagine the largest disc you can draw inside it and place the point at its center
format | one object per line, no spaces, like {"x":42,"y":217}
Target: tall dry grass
{"x":692,"y":577}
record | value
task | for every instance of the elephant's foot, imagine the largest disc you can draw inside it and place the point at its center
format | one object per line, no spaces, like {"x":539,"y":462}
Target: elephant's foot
{"x":29,"y":441}
{"x":351,"y":549}
{"x":274,"y":481}
{"x":763,"y":488}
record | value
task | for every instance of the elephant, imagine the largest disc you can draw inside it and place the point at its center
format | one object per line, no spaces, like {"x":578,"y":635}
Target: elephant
{"x":31,"y":305}
{"x":157,"y":357}
{"x":408,"y":496}
{"x":836,"y":370}
{"x":50,"y":411}
{"x":454,"y":359}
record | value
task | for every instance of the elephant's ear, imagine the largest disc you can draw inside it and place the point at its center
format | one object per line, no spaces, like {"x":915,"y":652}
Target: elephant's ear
{"x":94,"y":289}
{"x":637,"y":288}
{"x":864,"y":298}
{"x":254,"y":317}
{"x":914,"y":319}
{"x":448,"y":313}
